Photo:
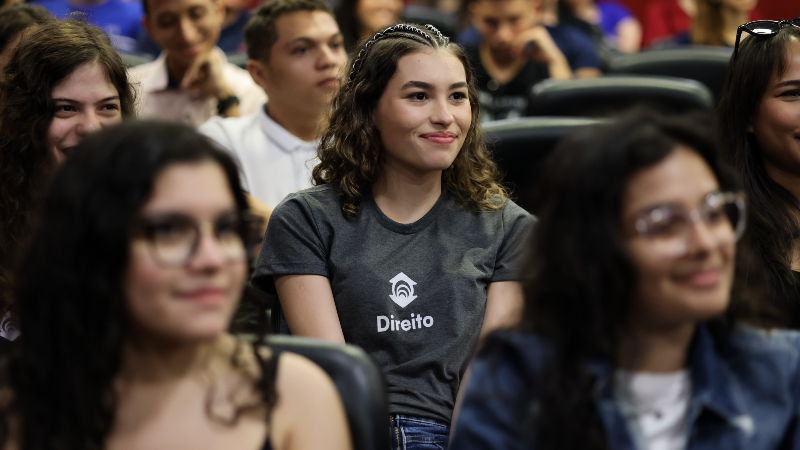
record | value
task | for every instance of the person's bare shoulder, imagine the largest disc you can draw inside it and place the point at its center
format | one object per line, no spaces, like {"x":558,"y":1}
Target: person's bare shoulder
{"x":309,"y":413}
{"x":6,"y":403}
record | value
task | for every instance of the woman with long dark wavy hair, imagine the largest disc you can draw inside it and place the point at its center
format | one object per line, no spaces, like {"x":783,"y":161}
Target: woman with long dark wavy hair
{"x":631,"y":338}
{"x":125,"y":293}
{"x":758,"y":124}
{"x":407,"y":245}
{"x":63,"y":82}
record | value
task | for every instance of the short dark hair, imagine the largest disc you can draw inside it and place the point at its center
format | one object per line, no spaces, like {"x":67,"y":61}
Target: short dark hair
{"x":19,"y":17}
{"x":260,"y":34}
{"x":144,"y":6}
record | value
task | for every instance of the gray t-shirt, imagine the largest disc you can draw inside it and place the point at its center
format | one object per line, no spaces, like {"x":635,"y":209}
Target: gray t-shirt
{"x":411,"y":295}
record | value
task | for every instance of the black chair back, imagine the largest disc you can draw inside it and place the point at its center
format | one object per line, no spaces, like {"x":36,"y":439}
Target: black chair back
{"x":421,"y":15}
{"x":358,"y":380}
{"x":598,"y":97}
{"x":520,"y":146}
{"x":707,"y":65}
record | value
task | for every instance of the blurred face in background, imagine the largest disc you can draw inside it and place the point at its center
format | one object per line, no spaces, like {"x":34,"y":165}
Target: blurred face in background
{"x":85,"y":101}
{"x":690,"y":282}
{"x":185,"y":29}
{"x":183,"y":281}
{"x":500,"y":22}
{"x":374,"y":14}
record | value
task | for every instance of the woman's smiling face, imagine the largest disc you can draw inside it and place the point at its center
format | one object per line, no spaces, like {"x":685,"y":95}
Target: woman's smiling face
{"x":85,"y":102}
{"x":424,"y":112}
{"x":776,"y":122}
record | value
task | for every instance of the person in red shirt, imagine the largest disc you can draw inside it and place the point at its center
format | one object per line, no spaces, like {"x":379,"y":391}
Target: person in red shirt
{"x":663,"y":20}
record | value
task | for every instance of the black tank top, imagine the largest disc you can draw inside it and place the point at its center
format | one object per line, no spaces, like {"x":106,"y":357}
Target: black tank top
{"x":273,"y":369}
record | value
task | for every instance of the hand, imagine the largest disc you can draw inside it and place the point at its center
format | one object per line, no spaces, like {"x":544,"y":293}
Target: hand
{"x":536,"y":44}
{"x":204,"y":77}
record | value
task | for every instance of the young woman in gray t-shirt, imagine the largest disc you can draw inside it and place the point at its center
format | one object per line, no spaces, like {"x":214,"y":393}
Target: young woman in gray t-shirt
{"x":407,"y":246}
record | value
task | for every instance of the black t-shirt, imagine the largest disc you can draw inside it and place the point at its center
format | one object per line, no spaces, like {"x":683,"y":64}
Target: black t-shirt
{"x":412,"y":295}
{"x":504,"y":101}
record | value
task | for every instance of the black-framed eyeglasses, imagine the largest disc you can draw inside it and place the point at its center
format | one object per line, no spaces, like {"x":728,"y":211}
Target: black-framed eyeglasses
{"x":762,"y":28}
{"x":174,"y":238}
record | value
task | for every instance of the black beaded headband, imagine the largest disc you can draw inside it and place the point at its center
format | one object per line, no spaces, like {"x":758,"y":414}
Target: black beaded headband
{"x":399,"y":28}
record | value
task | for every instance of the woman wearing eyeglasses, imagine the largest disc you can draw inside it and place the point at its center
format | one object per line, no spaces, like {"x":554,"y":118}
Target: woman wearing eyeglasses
{"x":758,"y":123}
{"x":125,"y":295}
{"x":630,"y":336}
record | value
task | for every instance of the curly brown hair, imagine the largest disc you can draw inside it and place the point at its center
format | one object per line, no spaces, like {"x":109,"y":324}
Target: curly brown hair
{"x":44,"y":57}
{"x":351,"y":150}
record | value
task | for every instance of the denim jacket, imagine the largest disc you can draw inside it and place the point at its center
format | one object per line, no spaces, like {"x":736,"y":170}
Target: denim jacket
{"x":745,"y":394}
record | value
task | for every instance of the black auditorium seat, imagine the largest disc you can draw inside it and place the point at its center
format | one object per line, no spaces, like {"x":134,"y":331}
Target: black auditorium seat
{"x":358,"y":380}
{"x":520,"y":146}
{"x":705,"y":64}
{"x":421,"y":15}
{"x":598,"y":97}
{"x":237,"y":59}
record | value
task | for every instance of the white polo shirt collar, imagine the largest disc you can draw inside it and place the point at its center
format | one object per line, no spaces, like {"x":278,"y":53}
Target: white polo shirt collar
{"x":281,"y":137}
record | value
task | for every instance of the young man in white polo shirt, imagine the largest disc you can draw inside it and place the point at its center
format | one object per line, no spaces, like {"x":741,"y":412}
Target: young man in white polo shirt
{"x":191,"y":81}
{"x":296,"y":54}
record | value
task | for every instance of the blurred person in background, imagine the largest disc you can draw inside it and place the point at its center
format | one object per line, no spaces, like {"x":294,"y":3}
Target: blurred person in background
{"x":620,"y":28}
{"x":667,"y":20}
{"x":758,"y":122}
{"x":361,"y":18}
{"x":664,"y":20}
{"x":126,"y":293}
{"x":64,"y":82}
{"x":514,"y":51}
{"x":231,"y":37}
{"x":717,"y":21}
{"x":191,"y":81}
{"x":296,"y":55}
{"x":633,"y":335}
{"x":13,"y":22}
{"x":504,"y":25}
{"x":120,"y":18}
{"x":407,"y":246}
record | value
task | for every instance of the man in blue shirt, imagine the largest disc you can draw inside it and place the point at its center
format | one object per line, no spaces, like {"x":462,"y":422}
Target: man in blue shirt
{"x":519,"y":17}
{"x":511,"y":51}
{"x":121,"y":19}
{"x":231,"y":38}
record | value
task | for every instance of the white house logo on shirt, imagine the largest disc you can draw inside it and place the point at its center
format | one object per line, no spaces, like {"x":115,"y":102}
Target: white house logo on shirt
{"x":403,"y":294}
{"x":402,"y":290}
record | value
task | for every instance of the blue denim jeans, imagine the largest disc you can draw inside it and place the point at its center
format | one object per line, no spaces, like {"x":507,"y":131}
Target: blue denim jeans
{"x":417,"y":433}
